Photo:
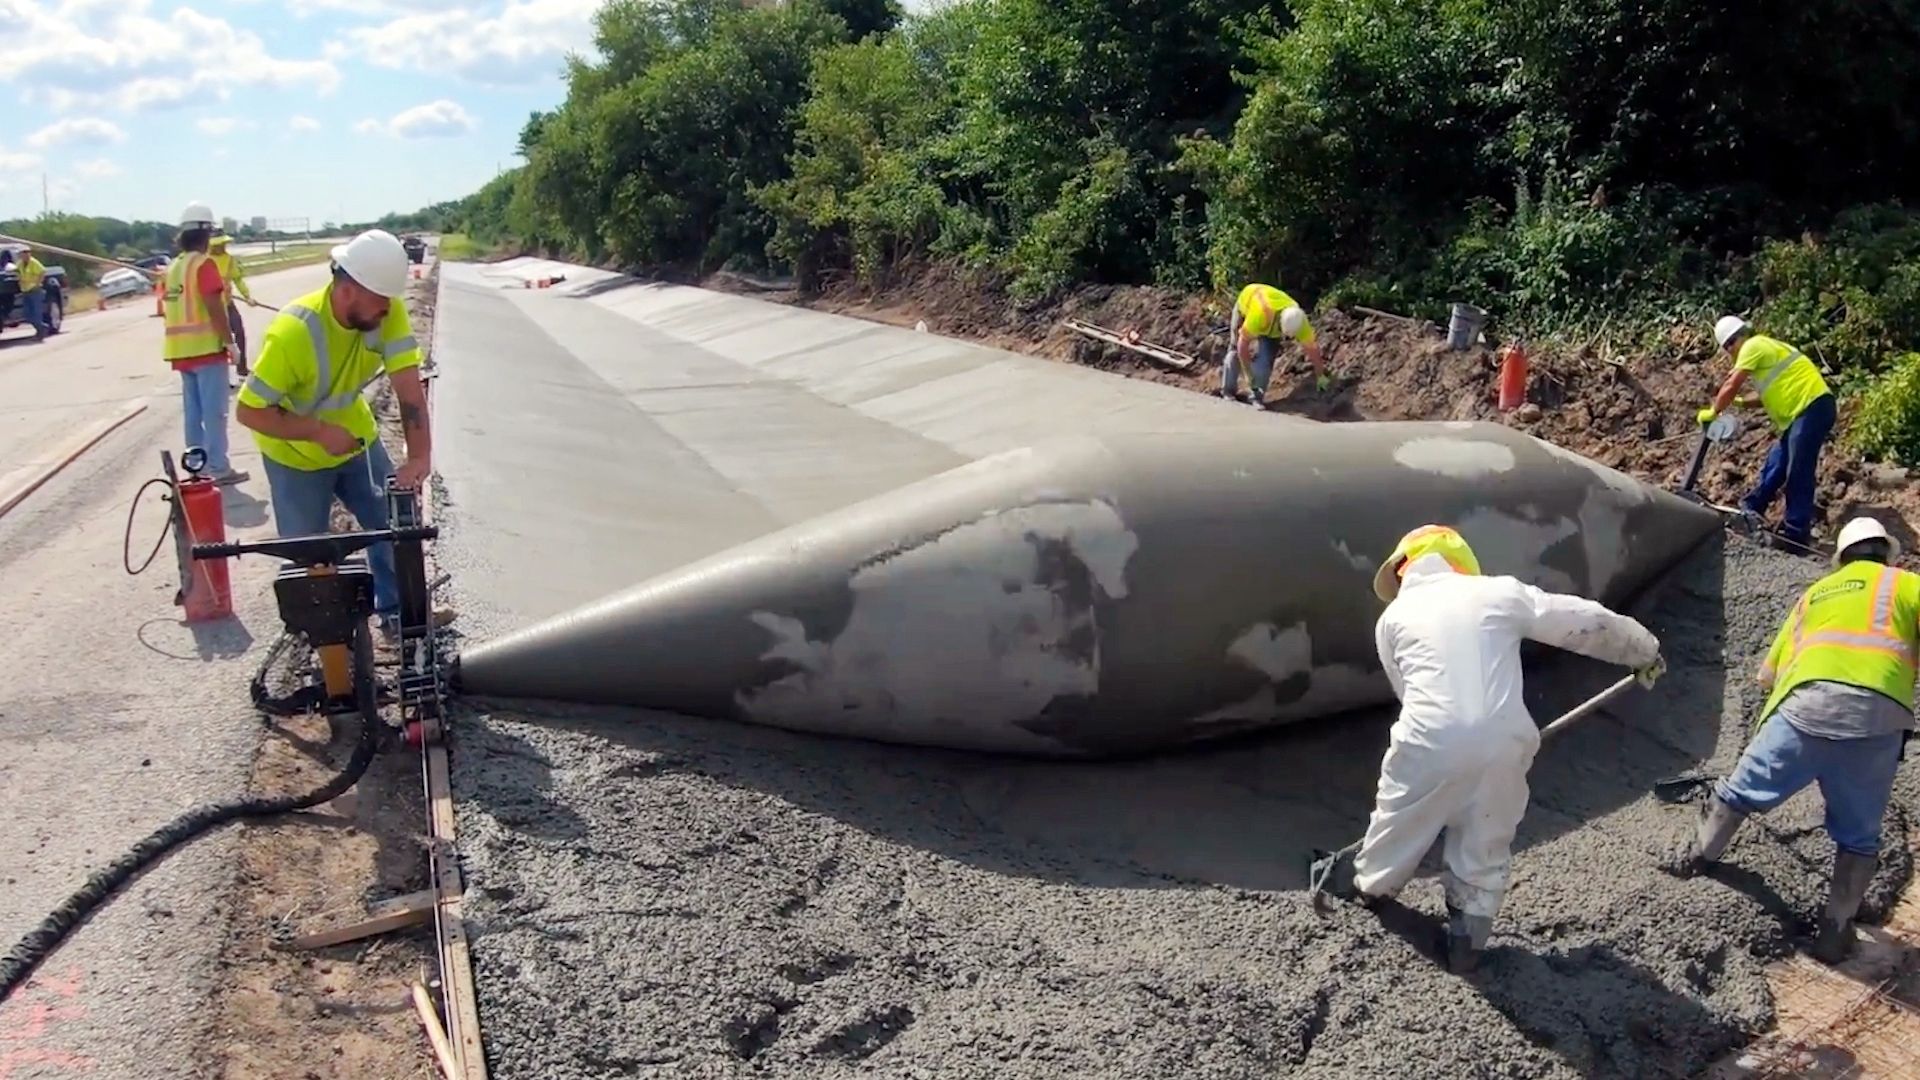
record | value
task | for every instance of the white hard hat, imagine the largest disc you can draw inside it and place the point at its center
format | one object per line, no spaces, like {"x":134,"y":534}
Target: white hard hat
{"x":1860,"y":530}
{"x":376,"y":260}
{"x":1728,"y":326}
{"x":1291,"y":320}
{"x":197,"y":215}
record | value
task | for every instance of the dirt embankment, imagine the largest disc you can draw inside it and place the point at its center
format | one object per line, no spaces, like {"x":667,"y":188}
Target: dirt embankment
{"x":1635,"y":414}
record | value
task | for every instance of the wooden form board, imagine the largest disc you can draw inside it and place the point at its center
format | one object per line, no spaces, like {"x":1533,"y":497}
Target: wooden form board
{"x":456,"y":959}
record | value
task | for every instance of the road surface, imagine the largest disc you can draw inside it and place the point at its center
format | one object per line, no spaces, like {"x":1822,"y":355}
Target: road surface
{"x":114,"y":715}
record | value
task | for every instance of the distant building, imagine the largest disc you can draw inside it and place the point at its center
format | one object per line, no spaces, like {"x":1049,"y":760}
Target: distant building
{"x":259,"y":224}
{"x":229,"y":225}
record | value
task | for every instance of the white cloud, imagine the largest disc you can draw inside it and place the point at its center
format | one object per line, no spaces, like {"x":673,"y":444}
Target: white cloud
{"x":303,"y":123}
{"x":97,"y":169}
{"x":17,"y":161}
{"x":436,"y":119}
{"x":84,"y":130}
{"x":86,"y":53}
{"x":520,"y":42}
{"x":220,"y":126}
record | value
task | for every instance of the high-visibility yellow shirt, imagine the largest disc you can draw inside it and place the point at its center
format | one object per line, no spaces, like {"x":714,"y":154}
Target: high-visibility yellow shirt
{"x":1260,"y":307}
{"x":32,"y":273}
{"x":1785,"y":379}
{"x":311,"y":365}
{"x":1859,"y":625}
{"x":231,"y":273}
{"x":190,"y":334}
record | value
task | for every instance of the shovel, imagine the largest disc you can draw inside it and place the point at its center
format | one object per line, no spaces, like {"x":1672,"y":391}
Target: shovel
{"x":1317,"y":882}
{"x":1724,"y":428}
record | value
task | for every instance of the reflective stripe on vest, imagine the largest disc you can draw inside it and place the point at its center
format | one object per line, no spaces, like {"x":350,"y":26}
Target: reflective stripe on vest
{"x":1772,"y":375}
{"x":1876,"y":637}
{"x":323,"y":367}
{"x":189,"y":328}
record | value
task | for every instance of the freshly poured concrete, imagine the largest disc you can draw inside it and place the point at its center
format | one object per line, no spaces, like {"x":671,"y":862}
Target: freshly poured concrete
{"x":659,"y":896}
{"x":656,"y":895}
{"x":1127,"y":567}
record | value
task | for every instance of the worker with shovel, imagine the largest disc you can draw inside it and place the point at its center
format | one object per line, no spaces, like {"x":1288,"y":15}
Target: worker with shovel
{"x":235,"y":276}
{"x":1840,"y":678}
{"x":1802,"y":409}
{"x":1262,"y":315}
{"x":1458,"y":755}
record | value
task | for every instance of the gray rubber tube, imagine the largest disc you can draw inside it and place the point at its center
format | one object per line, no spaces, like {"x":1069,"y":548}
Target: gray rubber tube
{"x":1093,"y":597}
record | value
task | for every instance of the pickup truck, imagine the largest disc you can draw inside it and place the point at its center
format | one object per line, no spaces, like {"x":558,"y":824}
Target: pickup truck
{"x":12,"y":312}
{"x":416,"y":249}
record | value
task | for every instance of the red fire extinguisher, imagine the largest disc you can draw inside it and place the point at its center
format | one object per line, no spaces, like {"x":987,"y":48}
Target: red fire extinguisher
{"x":1513,"y":377}
{"x":199,"y":517}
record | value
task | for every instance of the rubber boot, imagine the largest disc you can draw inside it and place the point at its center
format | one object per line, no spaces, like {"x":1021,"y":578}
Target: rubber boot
{"x":1710,"y":840}
{"x":1466,"y":940}
{"x":1851,"y":876}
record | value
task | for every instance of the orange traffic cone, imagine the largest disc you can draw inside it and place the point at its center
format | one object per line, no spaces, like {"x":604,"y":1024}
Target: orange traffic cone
{"x":159,"y":299}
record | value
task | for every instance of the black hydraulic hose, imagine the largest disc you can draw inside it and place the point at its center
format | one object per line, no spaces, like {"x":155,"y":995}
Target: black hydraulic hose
{"x":126,"y":538}
{"x":38,"y":944}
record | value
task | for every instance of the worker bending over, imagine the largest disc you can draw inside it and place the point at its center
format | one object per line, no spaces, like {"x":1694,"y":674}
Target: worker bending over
{"x":1801,"y":408}
{"x":1458,"y":755}
{"x":1261,"y":317}
{"x":315,"y":430}
{"x":197,"y":342}
{"x":235,"y":276}
{"x":1839,"y":711}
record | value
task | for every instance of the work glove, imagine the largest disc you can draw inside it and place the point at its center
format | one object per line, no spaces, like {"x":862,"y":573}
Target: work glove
{"x":1650,"y":674}
{"x":1706,"y":416}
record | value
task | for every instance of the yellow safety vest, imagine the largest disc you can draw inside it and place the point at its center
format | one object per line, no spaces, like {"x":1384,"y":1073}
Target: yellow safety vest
{"x":1859,"y":625}
{"x":190,"y":333}
{"x":32,"y":273}
{"x":1260,"y":307}
{"x":1785,"y":379}
{"x":310,"y":365}
{"x":231,"y":273}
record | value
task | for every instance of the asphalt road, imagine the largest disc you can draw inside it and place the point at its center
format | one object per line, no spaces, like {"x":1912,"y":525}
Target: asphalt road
{"x":114,"y":714}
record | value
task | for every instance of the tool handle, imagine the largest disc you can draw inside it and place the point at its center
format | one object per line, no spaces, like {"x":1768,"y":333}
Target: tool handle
{"x":1582,"y":710}
{"x":1699,"y":460}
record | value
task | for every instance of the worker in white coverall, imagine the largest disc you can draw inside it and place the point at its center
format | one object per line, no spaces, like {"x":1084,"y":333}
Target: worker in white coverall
{"x":1458,"y":756}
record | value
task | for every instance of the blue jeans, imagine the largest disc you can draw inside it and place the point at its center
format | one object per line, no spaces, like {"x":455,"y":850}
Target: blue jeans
{"x":33,"y":307}
{"x":1262,"y":367}
{"x":1793,"y":463}
{"x":303,"y":503}
{"x":203,"y":395}
{"x":1855,"y":778}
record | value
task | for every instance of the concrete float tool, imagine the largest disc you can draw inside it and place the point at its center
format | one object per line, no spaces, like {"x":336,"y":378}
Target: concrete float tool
{"x":1323,"y":863}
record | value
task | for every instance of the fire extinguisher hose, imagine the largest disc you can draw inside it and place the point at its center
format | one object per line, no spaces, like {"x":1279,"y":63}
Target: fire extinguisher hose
{"x":126,"y":538}
{"x":40,"y":943}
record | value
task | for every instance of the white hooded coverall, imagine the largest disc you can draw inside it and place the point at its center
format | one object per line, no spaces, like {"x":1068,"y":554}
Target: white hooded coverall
{"x":1459,"y":753}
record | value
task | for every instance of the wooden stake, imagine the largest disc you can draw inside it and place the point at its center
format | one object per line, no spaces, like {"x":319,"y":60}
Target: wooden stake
{"x":397,"y":913}
{"x":430,"y":1020}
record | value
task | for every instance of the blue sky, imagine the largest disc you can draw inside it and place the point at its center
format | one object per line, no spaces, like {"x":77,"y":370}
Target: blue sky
{"x":327,"y":109}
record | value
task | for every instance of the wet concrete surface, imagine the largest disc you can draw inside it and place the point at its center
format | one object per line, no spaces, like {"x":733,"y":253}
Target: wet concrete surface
{"x":661,"y":896}
{"x":656,"y":895}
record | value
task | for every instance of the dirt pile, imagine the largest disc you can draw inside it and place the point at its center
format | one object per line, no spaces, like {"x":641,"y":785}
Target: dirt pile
{"x":660,"y":896}
{"x":1635,"y":414}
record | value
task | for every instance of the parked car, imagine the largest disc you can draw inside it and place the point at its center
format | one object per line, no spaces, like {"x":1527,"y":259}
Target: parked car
{"x":124,"y":282}
{"x":416,"y":248}
{"x":156,"y":262}
{"x":12,"y":312}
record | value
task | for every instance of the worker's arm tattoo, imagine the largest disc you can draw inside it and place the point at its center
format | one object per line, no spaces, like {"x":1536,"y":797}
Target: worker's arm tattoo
{"x":412,"y":415}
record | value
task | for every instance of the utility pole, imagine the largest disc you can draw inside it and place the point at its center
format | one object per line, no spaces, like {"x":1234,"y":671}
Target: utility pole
{"x":46,"y":204}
